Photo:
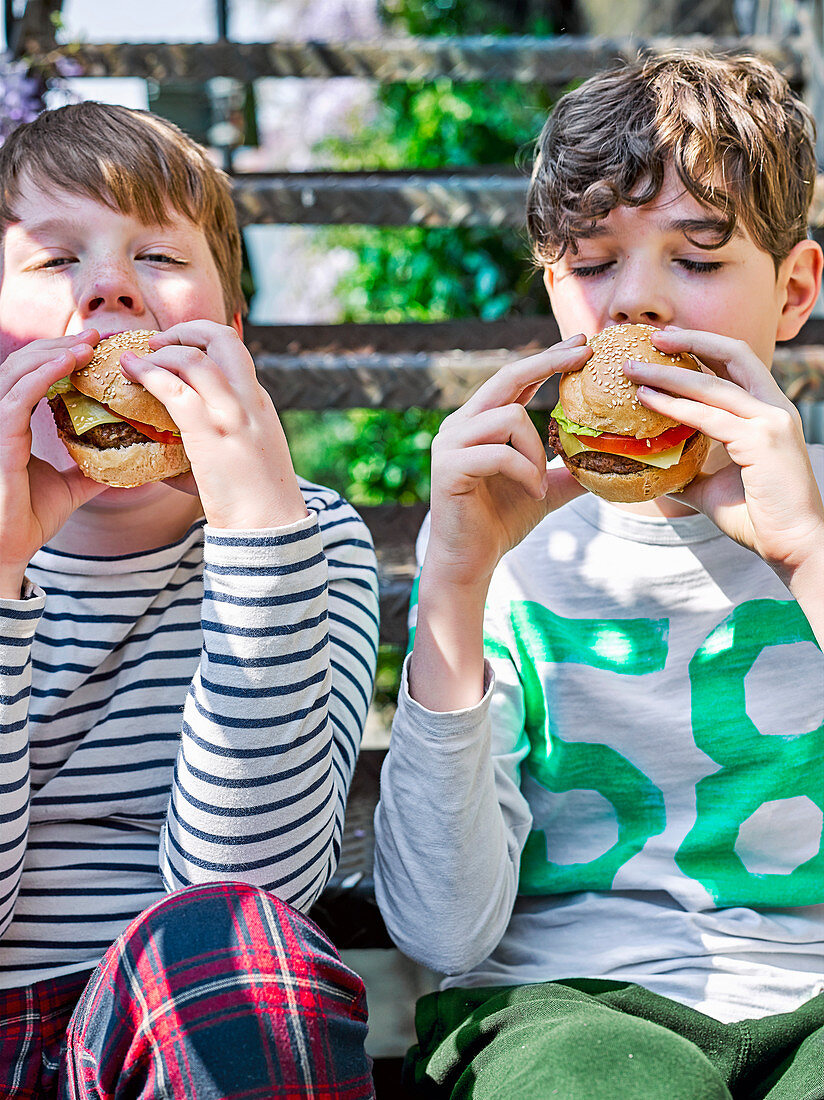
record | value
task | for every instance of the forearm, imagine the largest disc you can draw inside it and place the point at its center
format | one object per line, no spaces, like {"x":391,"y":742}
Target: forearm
{"x":449,"y":830}
{"x":446,"y":670}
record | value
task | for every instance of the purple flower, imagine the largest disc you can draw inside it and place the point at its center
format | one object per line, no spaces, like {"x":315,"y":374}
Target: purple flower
{"x":21,"y":96}
{"x":68,"y":67}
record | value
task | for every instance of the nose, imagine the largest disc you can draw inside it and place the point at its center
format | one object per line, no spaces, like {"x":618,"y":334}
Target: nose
{"x":639,"y":296}
{"x":112,"y":287}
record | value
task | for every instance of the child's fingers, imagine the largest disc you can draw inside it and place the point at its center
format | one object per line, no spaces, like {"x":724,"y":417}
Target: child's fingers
{"x":519,"y":381}
{"x":177,"y":376}
{"x":45,"y":354}
{"x":730,"y":359}
{"x":706,"y":388}
{"x":21,"y":398}
{"x":772,"y":422}
{"x":221,"y":343}
{"x":714,"y":422}
{"x":198,"y":334}
{"x":509,"y":424}
{"x":490,"y":459}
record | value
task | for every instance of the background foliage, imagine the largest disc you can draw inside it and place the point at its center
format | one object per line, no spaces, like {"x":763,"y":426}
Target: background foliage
{"x":375,"y":456}
{"x":422,"y":274}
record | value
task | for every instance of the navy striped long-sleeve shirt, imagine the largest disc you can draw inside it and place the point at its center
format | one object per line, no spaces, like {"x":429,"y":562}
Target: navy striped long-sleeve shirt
{"x":182,"y":715}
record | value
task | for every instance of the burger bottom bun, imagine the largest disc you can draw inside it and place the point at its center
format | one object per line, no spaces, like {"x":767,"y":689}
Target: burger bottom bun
{"x":128,"y":467}
{"x":649,"y":482}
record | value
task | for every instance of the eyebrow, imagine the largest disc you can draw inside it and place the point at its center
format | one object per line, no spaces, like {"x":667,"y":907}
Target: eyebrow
{"x":52,"y":225}
{"x":71,"y":225}
{"x":685,"y":226}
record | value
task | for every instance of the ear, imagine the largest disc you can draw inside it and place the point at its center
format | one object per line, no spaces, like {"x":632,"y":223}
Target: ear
{"x":799,"y":283}
{"x":237,"y":323}
{"x":549,"y":279}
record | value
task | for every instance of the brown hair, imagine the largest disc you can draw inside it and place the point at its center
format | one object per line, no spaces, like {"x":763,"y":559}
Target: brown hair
{"x":132,"y":161}
{"x":739,"y":139}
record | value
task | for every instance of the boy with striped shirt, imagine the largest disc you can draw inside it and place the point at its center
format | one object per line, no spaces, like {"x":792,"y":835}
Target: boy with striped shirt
{"x":185,"y":668}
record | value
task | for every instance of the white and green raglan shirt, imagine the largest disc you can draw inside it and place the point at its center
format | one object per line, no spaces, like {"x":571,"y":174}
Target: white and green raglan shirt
{"x":640,"y":794}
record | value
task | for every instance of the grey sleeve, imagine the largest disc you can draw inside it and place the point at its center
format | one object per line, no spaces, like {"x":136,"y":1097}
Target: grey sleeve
{"x":450,"y":827}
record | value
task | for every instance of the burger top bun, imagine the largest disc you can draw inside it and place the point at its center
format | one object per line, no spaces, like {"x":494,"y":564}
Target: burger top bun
{"x":102,"y":380}
{"x":601,"y":396}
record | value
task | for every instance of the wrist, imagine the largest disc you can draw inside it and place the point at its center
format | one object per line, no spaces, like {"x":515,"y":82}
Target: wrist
{"x":11,"y":584}
{"x":278,"y":513}
{"x":461,"y":582}
{"x":446,"y":670}
{"x":803,"y":580}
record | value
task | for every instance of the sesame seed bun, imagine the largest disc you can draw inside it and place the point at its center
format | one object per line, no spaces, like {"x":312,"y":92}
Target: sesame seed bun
{"x":135,"y":460}
{"x":601,"y":397}
{"x":102,"y":379}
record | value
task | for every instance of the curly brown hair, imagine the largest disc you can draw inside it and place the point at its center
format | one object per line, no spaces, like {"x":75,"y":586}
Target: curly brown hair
{"x":134,"y":162}
{"x":739,"y":139}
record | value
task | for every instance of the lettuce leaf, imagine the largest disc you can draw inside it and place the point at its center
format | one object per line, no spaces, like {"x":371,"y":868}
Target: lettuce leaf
{"x":569,"y":425}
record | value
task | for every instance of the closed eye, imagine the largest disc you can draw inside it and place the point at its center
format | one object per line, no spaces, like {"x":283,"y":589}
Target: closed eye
{"x":55,"y":262}
{"x":701,"y":265}
{"x":162,"y":258}
{"x":592,"y":269}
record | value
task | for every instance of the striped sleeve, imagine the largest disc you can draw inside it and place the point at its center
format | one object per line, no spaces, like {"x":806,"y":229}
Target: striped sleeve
{"x":18,"y":621}
{"x":274,"y":717}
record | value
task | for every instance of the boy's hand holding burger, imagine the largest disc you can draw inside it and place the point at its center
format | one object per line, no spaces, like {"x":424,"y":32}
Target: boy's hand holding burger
{"x":490,"y":487}
{"x":765,"y":495}
{"x":153,"y":406}
{"x":35,"y":498}
{"x":242,"y":469}
{"x":490,"y":482}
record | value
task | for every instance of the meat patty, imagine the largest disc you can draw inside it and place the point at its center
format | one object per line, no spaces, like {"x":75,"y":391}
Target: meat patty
{"x":104,"y":436}
{"x":602,"y":462}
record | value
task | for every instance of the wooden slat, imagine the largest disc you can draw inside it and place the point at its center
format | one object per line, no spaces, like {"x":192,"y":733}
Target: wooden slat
{"x":443,"y":380}
{"x":550,"y":61}
{"x":431,"y":336}
{"x":432,"y":381}
{"x":382,"y":198}
{"x":493,"y":197}
{"x":403,"y":337}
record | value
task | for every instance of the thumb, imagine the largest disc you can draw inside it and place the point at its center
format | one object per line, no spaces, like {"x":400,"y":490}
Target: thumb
{"x":561,"y":487}
{"x":82,"y":489}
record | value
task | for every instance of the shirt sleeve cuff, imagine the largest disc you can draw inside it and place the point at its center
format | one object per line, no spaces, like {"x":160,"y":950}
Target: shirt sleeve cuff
{"x":20,"y":617}
{"x":293,"y":543}
{"x":447,"y":720}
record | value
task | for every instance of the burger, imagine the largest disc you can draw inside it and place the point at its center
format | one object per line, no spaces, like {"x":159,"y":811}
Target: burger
{"x":610,"y":443}
{"x":114,"y":429}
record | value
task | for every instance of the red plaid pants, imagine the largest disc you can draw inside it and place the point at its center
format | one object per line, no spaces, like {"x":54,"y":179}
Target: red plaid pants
{"x":216,"y":992}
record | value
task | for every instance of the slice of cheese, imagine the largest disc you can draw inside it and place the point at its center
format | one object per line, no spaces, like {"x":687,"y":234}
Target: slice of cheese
{"x":663,"y":459}
{"x":86,"y":413}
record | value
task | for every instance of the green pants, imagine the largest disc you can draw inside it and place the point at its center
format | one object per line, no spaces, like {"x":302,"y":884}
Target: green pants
{"x":595,"y":1040}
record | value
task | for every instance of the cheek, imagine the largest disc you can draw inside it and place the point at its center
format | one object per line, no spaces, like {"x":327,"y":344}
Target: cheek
{"x":27,"y":315}
{"x":192,"y":301}
{"x":575,"y":305}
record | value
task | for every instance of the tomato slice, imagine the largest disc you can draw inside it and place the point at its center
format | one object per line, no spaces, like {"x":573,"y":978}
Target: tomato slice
{"x":155,"y":434}
{"x":629,"y":445}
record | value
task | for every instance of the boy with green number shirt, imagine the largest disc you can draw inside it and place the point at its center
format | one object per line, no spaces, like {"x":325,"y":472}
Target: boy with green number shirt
{"x":601,"y":813}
